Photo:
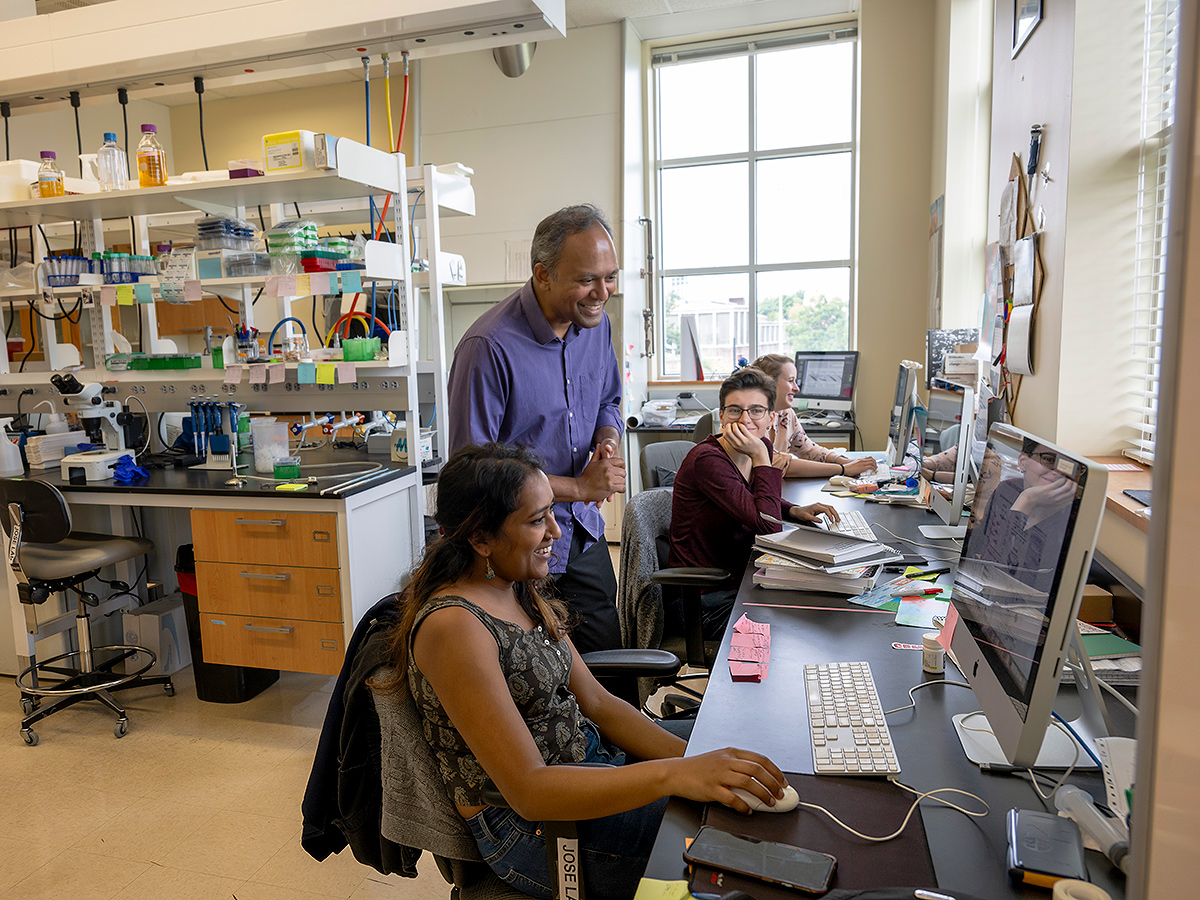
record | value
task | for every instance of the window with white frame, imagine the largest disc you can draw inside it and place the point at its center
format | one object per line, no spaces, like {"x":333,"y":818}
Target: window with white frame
{"x":1154,"y":190}
{"x":754,"y":188}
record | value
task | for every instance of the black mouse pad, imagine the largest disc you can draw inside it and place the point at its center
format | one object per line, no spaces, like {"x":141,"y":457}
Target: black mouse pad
{"x":869,"y":805}
{"x":1142,"y":497}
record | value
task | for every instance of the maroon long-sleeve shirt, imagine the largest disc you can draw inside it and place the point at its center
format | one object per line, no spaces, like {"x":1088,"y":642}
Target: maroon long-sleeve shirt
{"x":715,"y":514}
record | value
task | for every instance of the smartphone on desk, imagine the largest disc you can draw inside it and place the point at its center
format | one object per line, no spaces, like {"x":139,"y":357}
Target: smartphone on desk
{"x":793,"y":867}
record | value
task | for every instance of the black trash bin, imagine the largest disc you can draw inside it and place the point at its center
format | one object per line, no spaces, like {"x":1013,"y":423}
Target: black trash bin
{"x":215,"y":683}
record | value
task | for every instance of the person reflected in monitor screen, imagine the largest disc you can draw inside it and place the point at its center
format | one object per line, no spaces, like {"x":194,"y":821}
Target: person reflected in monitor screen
{"x":794,"y":453}
{"x":1025,"y":520}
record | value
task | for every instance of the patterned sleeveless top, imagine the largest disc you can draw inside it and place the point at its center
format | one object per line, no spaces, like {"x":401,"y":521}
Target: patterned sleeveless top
{"x":537,"y":669}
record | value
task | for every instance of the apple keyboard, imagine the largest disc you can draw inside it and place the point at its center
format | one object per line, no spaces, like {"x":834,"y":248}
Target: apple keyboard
{"x":851,"y":523}
{"x":848,"y":733}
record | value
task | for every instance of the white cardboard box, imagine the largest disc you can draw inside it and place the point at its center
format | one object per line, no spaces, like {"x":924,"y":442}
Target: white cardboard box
{"x":160,"y":626}
{"x":400,"y":445}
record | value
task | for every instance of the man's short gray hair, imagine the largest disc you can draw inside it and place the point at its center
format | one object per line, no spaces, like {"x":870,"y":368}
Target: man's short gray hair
{"x":553,"y":230}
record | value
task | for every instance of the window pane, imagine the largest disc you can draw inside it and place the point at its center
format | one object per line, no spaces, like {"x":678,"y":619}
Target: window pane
{"x":804,"y":96}
{"x":717,"y":311}
{"x":803,"y":309}
{"x":703,"y":108}
{"x":803,"y":208}
{"x":705,"y":216}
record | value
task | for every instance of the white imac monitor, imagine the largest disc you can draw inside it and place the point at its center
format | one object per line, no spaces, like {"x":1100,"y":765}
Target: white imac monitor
{"x":900,"y":425}
{"x":825,"y":378}
{"x":1016,"y":594}
{"x":950,"y":508}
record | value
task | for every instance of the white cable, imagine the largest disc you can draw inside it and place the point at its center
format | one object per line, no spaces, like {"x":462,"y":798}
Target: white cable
{"x":1104,"y":685}
{"x":904,"y":824}
{"x":1033,"y":776}
{"x":924,"y":546}
{"x":923,"y":684}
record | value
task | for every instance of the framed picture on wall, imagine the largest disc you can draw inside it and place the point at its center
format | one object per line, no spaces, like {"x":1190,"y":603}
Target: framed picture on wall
{"x":1026,"y":15}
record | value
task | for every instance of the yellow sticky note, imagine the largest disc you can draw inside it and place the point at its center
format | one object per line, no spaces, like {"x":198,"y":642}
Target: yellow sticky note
{"x":844,"y":494}
{"x":124,"y":295}
{"x":326,"y":373}
{"x":654,"y":889}
{"x":303,"y":287}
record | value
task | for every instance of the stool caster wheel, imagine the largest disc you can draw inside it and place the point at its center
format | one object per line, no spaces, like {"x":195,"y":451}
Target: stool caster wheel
{"x":27,"y":706}
{"x":121,"y":727}
{"x":169,"y":688}
{"x":30,"y":736}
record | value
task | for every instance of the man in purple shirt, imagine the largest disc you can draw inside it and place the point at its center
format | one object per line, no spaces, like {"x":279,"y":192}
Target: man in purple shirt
{"x":539,"y":370}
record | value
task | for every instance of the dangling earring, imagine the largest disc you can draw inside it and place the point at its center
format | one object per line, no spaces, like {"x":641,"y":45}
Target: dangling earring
{"x":489,"y":574}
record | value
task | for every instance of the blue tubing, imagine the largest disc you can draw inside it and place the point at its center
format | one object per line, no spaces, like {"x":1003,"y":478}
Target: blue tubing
{"x":271,"y":339}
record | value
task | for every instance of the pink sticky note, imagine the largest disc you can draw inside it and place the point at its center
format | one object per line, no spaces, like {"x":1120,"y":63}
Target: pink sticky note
{"x":747,"y":626}
{"x":318,"y":282}
{"x":258,"y":374}
{"x":233,"y":374}
{"x":946,"y":636}
{"x":191,"y":291}
{"x":738,"y":639}
{"x":108,"y":295}
{"x":745,"y":671}
{"x":750,"y":654}
{"x":346,"y":372}
{"x":287,"y":285}
{"x":276,"y":373}
{"x":271,"y":288}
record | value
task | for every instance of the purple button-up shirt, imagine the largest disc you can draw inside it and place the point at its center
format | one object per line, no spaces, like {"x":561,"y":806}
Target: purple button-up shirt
{"x":515,"y":381}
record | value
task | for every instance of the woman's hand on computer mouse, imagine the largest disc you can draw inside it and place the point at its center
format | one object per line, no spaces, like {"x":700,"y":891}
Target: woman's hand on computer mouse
{"x":738,"y":441}
{"x":814,"y":511}
{"x":713,"y":776}
{"x":857,"y":466}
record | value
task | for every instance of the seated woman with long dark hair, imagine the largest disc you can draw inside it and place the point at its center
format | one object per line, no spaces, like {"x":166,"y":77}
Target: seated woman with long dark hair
{"x":503,"y":695}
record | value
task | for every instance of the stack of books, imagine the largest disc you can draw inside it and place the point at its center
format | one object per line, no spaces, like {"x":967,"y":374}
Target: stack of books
{"x":45,"y":451}
{"x":811,"y":559}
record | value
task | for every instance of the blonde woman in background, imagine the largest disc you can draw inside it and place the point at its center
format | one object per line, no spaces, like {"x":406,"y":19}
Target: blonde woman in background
{"x":796,"y":454}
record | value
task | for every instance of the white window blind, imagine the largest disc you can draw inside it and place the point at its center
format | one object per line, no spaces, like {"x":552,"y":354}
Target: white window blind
{"x":1159,"y":71}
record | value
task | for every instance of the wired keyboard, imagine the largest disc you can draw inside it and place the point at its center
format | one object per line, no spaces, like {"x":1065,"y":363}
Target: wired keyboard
{"x":851,"y":523}
{"x":848,"y":733}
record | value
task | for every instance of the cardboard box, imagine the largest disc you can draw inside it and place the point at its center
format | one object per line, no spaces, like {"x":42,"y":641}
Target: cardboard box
{"x":1096,"y":605}
{"x":400,"y":445}
{"x":160,"y":626}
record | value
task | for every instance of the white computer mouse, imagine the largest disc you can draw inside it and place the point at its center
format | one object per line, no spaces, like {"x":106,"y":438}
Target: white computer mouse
{"x":789,"y":802}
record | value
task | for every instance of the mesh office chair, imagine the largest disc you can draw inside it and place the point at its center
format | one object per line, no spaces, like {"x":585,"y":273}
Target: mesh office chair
{"x":648,"y":590}
{"x":47,"y":557}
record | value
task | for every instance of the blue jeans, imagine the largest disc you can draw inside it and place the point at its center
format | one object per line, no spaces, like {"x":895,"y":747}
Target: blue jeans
{"x":614,"y":849}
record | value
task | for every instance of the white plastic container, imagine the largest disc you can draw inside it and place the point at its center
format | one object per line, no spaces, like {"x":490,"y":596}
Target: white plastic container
{"x":270,"y":444}
{"x":112,"y":170}
{"x":11,"y":465}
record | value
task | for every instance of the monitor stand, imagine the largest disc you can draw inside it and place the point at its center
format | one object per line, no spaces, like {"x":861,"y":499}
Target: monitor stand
{"x":944,"y":532}
{"x":1058,"y":749}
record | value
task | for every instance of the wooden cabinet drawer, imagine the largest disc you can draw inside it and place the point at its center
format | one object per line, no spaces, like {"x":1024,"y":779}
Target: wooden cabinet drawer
{"x":267,"y":643}
{"x":265,"y":538}
{"x":313,"y":595}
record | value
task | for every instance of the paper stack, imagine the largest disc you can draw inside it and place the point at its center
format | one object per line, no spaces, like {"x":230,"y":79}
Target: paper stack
{"x":785,"y":573}
{"x":45,"y":451}
{"x":811,"y":545}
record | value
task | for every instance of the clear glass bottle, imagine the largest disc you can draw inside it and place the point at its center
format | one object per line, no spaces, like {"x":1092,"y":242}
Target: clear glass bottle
{"x":50,"y":176}
{"x":152,"y":159}
{"x":111,"y":166}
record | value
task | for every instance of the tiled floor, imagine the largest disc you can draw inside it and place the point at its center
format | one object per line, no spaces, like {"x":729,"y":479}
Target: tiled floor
{"x":199,"y":801}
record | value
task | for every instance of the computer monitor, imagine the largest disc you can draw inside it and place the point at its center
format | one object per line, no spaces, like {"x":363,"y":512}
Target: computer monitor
{"x":1023,"y":566}
{"x":900,"y":425}
{"x":949,"y":509}
{"x":825,"y":378}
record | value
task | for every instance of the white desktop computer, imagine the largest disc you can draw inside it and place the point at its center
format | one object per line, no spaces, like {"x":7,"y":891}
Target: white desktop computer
{"x":950,"y":508}
{"x":825,"y":379}
{"x":902,"y":418}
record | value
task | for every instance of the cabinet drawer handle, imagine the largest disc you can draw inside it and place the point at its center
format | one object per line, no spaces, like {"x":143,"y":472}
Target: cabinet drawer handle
{"x":281,"y":576}
{"x":276,"y":522}
{"x":282,"y":629}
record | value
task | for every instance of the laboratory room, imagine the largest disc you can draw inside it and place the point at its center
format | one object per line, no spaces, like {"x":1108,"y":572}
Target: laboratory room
{"x":782,"y":397}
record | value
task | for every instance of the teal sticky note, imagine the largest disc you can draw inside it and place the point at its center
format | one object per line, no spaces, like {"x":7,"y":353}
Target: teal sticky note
{"x":142,"y":292}
{"x":306,"y":372}
{"x":351,"y":282}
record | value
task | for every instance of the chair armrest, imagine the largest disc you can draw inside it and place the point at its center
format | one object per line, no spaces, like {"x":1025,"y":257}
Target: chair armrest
{"x":691,"y":577}
{"x":646,"y":663}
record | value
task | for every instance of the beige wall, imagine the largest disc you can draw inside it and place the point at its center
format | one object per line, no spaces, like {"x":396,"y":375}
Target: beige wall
{"x":895,"y":146}
{"x":233,"y":128}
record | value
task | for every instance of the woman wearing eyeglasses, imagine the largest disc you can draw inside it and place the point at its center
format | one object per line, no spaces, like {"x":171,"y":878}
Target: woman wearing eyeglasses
{"x":726,"y":489}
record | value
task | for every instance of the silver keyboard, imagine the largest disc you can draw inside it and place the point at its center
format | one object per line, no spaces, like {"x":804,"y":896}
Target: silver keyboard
{"x":846,"y":724}
{"x":853,"y":524}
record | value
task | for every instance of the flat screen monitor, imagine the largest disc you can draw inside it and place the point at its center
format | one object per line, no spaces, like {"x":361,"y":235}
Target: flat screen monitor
{"x":825,"y":378}
{"x":1024,"y":563}
{"x":900,"y":424}
{"x":950,"y":508}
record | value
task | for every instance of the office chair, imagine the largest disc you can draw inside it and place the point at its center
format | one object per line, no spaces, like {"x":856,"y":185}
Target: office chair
{"x":648,"y":588}
{"x":47,"y":557}
{"x":664,"y":455}
{"x":705,"y":426}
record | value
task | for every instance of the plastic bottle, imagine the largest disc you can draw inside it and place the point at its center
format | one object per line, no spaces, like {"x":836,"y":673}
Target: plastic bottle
{"x":50,"y":176}
{"x":57,"y":424}
{"x":111,"y":165}
{"x":1107,"y":833}
{"x":152,"y":159}
{"x":11,"y":465}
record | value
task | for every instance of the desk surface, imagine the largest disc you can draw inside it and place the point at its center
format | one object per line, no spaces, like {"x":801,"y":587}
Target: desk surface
{"x":968,"y":854}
